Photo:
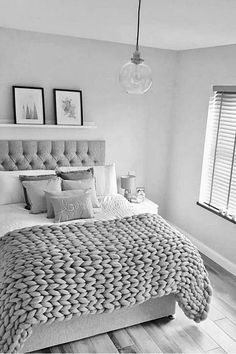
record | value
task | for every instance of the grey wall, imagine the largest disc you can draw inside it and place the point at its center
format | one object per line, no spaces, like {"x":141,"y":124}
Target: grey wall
{"x":197,"y":71}
{"x":124,"y":121}
{"x":159,"y":135}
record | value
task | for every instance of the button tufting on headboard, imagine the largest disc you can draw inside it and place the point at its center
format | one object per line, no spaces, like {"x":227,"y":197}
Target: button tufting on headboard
{"x":49,"y":154}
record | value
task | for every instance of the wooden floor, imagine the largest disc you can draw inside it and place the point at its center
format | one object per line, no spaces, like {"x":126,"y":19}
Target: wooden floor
{"x":215,"y":335}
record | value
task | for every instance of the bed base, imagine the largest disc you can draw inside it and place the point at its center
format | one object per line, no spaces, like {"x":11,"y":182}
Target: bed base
{"x":44,"y":336}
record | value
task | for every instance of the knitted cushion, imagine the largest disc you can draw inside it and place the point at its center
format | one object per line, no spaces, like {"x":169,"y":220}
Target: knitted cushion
{"x":49,"y":195}
{"x":72,"y":207}
{"x":54,"y":272}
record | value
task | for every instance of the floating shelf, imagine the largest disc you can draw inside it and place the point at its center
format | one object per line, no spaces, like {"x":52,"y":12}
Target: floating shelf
{"x":48,"y":126}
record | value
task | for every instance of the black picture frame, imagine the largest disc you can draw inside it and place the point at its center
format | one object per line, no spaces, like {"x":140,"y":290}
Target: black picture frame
{"x":68,"y":105}
{"x":29,"y":106}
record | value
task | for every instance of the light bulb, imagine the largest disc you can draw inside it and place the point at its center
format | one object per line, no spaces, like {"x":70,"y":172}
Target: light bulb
{"x":135,"y":76}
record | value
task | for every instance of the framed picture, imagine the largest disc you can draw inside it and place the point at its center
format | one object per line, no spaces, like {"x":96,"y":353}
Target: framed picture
{"x":28,"y":105}
{"x":68,"y":107}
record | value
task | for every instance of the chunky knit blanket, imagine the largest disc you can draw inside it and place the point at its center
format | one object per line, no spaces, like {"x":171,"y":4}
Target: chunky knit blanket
{"x":53,"y":272}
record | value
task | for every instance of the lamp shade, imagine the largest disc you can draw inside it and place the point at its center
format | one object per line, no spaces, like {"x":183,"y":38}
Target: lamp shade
{"x":127,"y":182}
{"x":135,"y":78}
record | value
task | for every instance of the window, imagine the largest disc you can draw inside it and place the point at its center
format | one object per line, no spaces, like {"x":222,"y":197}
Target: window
{"x":218,"y":182}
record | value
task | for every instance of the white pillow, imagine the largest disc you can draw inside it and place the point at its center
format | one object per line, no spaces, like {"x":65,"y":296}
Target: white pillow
{"x":11,"y":190}
{"x":106,"y":183}
{"x":105,"y":176}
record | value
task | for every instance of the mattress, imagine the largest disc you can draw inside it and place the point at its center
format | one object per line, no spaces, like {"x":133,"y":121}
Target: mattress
{"x":15,"y":216}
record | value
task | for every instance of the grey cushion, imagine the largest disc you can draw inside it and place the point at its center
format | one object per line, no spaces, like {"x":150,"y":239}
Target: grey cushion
{"x":83,"y":184}
{"x":76,"y":175}
{"x":36,"y":193}
{"x":73,"y":207}
{"x":33,"y":178}
{"x":49,"y":195}
{"x":47,"y":155}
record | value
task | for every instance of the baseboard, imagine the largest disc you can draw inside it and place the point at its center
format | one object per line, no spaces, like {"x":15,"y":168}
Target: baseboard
{"x":210,"y":253}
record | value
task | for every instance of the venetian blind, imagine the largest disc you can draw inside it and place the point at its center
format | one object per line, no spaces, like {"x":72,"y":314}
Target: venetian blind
{"x":218,"y":183}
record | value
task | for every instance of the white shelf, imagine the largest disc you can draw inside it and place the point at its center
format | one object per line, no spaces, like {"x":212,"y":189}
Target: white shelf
{"x":48,"y":126}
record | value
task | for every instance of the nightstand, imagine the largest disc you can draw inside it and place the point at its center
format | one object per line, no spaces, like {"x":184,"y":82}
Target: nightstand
{"x":147,"y":206}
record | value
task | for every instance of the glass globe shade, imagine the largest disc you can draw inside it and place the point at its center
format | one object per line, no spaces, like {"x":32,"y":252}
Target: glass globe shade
{"x":135,"y":78}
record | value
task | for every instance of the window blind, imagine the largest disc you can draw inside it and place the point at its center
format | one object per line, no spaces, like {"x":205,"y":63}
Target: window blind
{"x":218,"y":182}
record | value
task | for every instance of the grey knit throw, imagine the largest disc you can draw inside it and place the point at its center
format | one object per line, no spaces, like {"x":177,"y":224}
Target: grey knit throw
{"x":54,"y":272}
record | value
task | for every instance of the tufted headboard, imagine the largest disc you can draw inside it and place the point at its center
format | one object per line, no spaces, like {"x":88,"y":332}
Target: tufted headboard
{"x":49,"y":154}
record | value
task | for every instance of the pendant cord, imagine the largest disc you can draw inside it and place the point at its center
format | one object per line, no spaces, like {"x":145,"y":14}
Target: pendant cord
{"x":137,"y":40}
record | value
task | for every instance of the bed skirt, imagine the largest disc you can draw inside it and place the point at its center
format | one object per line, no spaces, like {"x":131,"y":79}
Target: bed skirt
{"x":57,"y":333}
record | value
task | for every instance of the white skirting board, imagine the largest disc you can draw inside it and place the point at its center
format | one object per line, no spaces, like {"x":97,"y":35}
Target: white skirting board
{"x":210,"y":253}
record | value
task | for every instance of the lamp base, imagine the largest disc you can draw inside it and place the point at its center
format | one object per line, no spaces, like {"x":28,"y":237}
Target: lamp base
{"x":127,"y":194}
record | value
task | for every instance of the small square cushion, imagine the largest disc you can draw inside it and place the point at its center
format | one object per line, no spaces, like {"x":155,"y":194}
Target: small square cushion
{"x":73,"y":207}
{"x":49,"y":195}
{"x":105,"y":178}
{"x":76,"y":175}
{"x":33,"y":178}
{"x":36,"y":193}
{"x":83,"y":184}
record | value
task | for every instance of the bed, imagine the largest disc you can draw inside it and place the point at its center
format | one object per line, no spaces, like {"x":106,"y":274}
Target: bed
{"x":48,"y":155}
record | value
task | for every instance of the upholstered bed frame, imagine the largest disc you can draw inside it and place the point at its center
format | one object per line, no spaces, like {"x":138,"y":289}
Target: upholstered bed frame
{"x":26,"y":154}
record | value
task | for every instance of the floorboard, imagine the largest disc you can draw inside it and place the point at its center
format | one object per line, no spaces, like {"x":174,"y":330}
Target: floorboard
{"x":228,"y":327}
{"x":200,"y":337}
{"x":165,"y":342}
{"x":143,"y":341}
{"x":217,"y":334}
{"x":217,"y":350}
{"x":180,"y":336}
{"x":214,"y":314}
{"x":129,"y":350}
{"x":121,"y":339}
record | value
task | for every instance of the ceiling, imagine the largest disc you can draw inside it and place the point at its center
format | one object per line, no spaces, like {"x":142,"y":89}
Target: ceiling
{"x":169,"y":24}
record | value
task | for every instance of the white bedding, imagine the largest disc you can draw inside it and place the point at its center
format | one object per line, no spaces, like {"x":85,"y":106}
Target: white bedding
{"x":15,"y":216}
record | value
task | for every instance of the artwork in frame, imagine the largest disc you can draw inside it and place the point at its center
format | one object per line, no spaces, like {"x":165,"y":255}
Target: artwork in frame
{"x":68,"y":107}
{"x":28,"y":105}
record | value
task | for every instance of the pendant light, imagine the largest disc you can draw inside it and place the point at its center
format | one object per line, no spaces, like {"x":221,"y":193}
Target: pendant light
{"x":135,"y":76}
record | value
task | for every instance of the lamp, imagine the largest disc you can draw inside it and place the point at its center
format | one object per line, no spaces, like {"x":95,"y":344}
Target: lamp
{"x":135,"y":76}
{"x":127,"y":183}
